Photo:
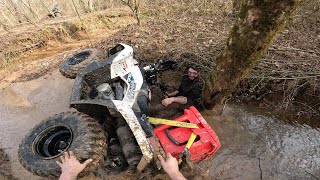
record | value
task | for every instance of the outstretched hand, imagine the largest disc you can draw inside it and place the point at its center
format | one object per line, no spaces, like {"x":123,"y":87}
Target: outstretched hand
{"x":70,"y":166}
{"x":170,"y":166}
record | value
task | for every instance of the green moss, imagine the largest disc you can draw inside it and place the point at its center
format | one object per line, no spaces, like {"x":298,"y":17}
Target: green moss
{"x":244,"y":48}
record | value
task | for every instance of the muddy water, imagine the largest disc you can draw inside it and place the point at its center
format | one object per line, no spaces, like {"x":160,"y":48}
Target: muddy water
{"x":257,"y":146}
{"x":254,"y":145}
{"x":23,"y":105}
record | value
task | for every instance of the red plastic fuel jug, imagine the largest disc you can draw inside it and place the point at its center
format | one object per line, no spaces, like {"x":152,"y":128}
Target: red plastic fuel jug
{"x":174,"y":139}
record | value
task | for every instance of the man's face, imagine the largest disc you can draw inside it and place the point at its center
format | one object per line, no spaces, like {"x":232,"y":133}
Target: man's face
{"x":192,"y":74}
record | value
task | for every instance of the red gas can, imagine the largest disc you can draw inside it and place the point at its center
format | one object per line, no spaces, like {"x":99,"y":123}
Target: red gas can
{"x":174,"y":139}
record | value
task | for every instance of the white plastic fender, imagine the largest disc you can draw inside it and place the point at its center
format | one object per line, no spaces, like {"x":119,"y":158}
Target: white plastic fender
{"x":126,"y":111}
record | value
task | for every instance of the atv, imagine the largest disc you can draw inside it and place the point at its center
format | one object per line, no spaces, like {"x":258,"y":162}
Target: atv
{"x":108,"y":122}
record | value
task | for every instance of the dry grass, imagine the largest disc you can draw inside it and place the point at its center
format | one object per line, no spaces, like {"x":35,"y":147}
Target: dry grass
{"x":171,"y":28}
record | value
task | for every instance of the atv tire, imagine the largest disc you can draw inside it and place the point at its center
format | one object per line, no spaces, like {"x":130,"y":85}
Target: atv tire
{"x":69,"y":131}
{"x":73,"y":63}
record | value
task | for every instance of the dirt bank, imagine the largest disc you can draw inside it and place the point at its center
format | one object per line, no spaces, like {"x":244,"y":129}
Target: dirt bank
{"x":35,"y":45}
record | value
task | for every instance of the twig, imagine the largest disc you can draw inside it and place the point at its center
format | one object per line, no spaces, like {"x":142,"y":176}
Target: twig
{"x":225,"y":104}
{"x":290,"y":60}
{"x":284,"y":93}
{"x":285,"y":78}
{"x":307,"y":107}
{"x":260,"y":167}
{"x":312,"y":175}
{"x":274,"y":48}
{"x":134,"y":8}
{"x":44,"y":5}
{"x":30,"y":9}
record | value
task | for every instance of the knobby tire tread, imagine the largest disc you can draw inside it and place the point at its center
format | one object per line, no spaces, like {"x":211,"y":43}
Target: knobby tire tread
{"x":70,"y":71}
{"x":89,"y":143}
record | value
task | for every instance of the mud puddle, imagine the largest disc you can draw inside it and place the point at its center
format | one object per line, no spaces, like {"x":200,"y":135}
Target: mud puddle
{"x":254,"y":144}
{"x":23,"y":105}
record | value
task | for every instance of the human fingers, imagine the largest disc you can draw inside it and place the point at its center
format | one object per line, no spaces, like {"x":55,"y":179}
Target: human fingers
{"x":169,"y":156}
{"x":87,"y":162}
{"x":162,"y":161}
{"x":66,"y":155}
{"x":72,"y":156}
{"x":59,"y":163}
{"x":62,"y":158}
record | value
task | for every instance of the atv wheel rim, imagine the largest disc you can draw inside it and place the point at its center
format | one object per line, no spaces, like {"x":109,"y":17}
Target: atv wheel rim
{"x":78,"y":58}
{"x":53,"y":141}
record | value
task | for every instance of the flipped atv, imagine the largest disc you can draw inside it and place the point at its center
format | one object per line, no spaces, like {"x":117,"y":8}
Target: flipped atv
{"x":111,"y":99}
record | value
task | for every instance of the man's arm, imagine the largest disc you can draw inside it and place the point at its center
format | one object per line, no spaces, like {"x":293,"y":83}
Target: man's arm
{"x":172,"y":93}
{"x":179,"y":99}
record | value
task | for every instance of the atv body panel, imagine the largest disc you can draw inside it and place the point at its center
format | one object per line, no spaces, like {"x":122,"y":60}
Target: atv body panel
{"x":122,"y":72}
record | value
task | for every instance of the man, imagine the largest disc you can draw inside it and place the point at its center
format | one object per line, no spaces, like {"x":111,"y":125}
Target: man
{"x":189,"y":92}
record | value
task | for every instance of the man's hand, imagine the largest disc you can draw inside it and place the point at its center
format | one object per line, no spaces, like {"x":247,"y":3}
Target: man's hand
{"x":170,"y":166}
{"x":179,"y":100}
{"x":167,"y":101}
{"x":70,"y":166}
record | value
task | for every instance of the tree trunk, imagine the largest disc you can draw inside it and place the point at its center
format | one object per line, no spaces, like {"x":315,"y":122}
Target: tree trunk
{"x":258,"y":23}
{"x":134,"y":6}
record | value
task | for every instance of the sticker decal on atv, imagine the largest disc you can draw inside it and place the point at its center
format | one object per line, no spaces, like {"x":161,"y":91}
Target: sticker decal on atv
{"x":132,"y":86}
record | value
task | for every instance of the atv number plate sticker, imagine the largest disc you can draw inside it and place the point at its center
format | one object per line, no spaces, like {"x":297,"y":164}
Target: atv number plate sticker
{"x":132,"y":86}
{"x":119,"y":68}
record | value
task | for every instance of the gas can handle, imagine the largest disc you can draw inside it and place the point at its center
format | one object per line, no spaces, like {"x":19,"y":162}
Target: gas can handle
{"x":173,"y":140}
